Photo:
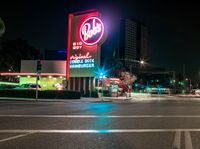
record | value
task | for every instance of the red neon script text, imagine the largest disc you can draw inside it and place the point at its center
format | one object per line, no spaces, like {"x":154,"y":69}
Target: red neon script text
{"x":89,"y":30}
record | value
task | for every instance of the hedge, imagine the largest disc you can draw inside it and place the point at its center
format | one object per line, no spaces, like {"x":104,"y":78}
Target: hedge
{"x":94,"y":94}
{"x":48,"y":94}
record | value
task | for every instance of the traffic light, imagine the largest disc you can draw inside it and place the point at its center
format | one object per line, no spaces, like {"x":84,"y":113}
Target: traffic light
{"x":102,"y":75}
{"x":39,"y":65}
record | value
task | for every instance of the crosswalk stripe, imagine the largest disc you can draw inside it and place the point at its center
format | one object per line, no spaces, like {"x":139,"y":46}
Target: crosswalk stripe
{"x":103,"y":116}
{"x":188,"y":140}
{"x":95,"y":131}
{"x":177,"y":140}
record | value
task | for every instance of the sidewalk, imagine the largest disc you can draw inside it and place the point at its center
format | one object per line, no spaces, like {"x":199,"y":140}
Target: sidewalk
{"x":127,"y":99}
{"x":136,"y":98}
{"x":188,"y":95}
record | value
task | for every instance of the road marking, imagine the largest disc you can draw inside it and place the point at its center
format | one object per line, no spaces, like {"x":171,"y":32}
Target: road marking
{"x":177,"y":140}
{"x":95,"y":131}
{"x":104,"y":116}
{"x":14,"y":137}
{"x":188,"y":140}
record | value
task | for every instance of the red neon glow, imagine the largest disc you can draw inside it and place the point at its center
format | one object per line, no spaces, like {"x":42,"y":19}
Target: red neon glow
{"x":80,"y":56}
{"x":68,"y":45}
{"x":91,"y":27}
{"x":31,"y":74}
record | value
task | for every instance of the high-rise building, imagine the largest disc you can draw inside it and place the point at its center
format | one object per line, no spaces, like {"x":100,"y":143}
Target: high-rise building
{"x":133,"y":43}
{"x":128,"y":39}
{"x":142,"y":44}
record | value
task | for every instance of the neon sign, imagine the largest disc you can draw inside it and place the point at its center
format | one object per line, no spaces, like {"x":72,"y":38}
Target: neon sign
{"x":86,"y":33}
{"x":91,"y":31}
{"x":80,"y":56}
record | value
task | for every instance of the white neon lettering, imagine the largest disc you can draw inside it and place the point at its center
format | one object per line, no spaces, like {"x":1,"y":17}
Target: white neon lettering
{"x":80,"y":56}
{"x":82,"y":66}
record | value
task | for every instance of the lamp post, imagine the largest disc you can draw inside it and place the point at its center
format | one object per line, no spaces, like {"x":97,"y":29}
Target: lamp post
{"x":101,"y":76}
{"x":189,"y":83}
{"x":142,"y":63}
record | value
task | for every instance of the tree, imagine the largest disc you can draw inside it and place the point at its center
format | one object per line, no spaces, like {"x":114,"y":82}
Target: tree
{"x":124,"y":81}
{"x":13,"y":51}
{"x":2,"y":27}
{"x":127,"y":78}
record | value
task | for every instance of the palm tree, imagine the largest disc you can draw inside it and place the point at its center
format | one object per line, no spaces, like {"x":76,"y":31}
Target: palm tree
{"x":2,"y":27}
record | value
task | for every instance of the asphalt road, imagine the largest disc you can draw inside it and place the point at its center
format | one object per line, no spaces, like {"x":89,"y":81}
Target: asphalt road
{"x":99,"y":125}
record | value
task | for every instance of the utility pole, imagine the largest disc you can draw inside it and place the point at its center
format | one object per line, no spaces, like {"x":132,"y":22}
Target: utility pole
{"x":184,"y":77}
{"x":39,"y":68}
{"x":36,"y":92}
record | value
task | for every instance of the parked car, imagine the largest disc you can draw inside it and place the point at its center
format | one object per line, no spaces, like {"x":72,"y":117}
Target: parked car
{"x":29,"y":86}
{"x":156,"y":90}
{"x":196,"y":91}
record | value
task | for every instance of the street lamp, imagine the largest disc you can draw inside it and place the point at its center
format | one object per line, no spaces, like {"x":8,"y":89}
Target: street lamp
{"x":142,"y":62}
{"x":190,"y":83}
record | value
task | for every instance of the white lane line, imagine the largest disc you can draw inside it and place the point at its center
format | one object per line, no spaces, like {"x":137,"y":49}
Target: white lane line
{"x":104,"y":116}
{"x":188,"y":140}
{"x":14,"y":137}
{"x":177,"y":140}
{"x":95,"y":131}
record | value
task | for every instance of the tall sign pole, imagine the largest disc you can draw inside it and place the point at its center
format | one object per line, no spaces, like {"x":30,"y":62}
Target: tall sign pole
{"x":86,"y":33}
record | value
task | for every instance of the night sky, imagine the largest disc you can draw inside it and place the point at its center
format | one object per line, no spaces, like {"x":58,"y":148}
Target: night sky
{"x":173,"y":25}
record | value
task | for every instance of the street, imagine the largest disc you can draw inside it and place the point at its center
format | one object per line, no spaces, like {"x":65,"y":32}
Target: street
{"x":99,"y":125}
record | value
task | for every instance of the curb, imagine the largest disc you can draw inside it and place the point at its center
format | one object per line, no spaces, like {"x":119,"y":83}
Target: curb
{"x":34,"y":100}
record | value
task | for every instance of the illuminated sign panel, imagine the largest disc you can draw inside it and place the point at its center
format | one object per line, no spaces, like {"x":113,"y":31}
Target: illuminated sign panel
{"x":85,"y":33}
{"x":91,"y":31}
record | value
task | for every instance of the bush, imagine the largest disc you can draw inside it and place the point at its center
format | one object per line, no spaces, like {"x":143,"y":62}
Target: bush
{"x":50,"y":94}
{"x":18,"y":93}
{"x":93,"y":94}
{"x":59,"y":94}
